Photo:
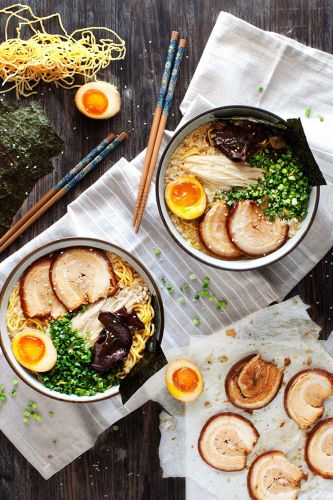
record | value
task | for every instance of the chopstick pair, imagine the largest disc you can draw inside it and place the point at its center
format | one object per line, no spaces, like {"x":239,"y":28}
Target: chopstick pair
{"x":161,"y":114}
{"x":73,"y":177}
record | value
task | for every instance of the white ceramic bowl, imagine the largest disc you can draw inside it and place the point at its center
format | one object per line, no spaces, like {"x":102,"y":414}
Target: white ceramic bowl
{"x":231,"y":265}
{"x":15,"y":275}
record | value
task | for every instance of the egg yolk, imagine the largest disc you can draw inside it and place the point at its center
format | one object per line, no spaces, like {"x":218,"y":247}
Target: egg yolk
{"x":185,"y":194}
{"x":95,"y":102}
{"x":31,"y":349}
{"x":185,"y":379}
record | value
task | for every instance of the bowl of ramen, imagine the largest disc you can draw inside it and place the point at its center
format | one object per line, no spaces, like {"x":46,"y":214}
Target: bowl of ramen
{"x":238,"y":187}
{"x":77,"y":316}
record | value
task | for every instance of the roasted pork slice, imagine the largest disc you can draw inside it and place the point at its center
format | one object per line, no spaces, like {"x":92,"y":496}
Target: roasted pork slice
{"x":319,"y":449}
{"x":36,"y":294}
{"x":273,"y":476}
{"x":305,"y":395}
{"x":253,"y":382}
{"x":213,"y":232}
{"x":81,"y":276}
{"x":252,"y":232}
{"x":225,"y":441}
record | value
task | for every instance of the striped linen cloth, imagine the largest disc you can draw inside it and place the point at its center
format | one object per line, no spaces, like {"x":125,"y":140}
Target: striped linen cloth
{"x":237,"y":58}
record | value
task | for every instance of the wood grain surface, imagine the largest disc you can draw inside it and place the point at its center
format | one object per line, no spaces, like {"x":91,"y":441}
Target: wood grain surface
{"x":124,"y":463}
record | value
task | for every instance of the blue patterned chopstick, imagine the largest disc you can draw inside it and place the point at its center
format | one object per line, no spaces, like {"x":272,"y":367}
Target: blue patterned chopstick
{"x":87,"y":159}
{"x":95,"y":161}
{"x":167,"y":70}
{"x":174,"y":76}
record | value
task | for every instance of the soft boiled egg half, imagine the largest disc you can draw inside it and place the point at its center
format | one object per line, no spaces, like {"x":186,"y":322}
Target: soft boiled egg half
{"x":98,"y":100}
{"x":34,"y":350}
{"x":183,"y":380}
{"x":186,"y":197}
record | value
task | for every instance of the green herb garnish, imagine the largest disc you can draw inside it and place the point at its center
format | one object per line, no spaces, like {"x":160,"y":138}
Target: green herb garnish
{"x":205,"y":282}
{"x":307,"y":111}
{"x":196,"y":321}
{"x":13,"y":393}
{"x":32,"y":404}
{"x":284,"y":187}
{"x":157,"y":250}
{"x":51,"y":414}
{"x":185,"y":287}
{"x":170,"y":288}
{"x":181,"y":300}
{"x":321,"y":118}
{"x":192,"y":277}
{"x":163,"y":279}
{"x":221,"y":304}
{"x":260,"y":89}
{"x":72,"y":373}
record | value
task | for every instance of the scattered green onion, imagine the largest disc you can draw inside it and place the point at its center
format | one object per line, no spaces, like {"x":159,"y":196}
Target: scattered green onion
{"x":196,"y":321}
{"x":260,"y":89}
{"x":221,"y":304}
{"x":13,"y":393}
{"x":36,"y":416}
{"x":15,"y":382}
{"x":307,"y":111}
{"x":115,"y":428}
{"x":321,"y":118}
{"x":181,"y":300}
{"x":157,"y":251}
{"x":170,"y":288}
{"x":51,"y":414}
{"x":212,"y":298}
{"x":192,"y":277}
{"x":205,"y":282}
{"x":32,"y":404}
{"x":185,"y":287}
{"x":163,"y":280}
{"x":3,"y":396}
{"x":203,"y":293}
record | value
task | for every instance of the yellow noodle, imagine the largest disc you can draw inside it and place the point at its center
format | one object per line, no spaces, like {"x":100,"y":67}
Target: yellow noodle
{"x":52,"y":58}
{"x":16,"y":321}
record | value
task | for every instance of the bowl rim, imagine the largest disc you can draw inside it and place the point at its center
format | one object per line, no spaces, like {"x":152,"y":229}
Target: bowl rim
{"x":21,"y":375}
{"x":159,"y":204}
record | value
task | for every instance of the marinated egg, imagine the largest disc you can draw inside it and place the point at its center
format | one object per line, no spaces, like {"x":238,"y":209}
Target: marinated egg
{"x":186,"y":197}
{"x":98,"y":100}
{"x":183,"y":380}
{"x":34,"y":350}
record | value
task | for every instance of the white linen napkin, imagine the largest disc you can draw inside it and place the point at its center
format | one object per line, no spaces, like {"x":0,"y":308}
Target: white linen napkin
{"x":237,"y":59}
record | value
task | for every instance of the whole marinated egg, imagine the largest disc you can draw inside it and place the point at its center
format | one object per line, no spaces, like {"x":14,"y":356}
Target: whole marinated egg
{"x":98,"y":100}
{"x":186,"y":197}
{"x":34,"y":350}
{"x":183,"y":380}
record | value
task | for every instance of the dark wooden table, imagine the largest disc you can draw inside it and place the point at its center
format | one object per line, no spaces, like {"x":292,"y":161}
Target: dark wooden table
{"x":124,"y":463}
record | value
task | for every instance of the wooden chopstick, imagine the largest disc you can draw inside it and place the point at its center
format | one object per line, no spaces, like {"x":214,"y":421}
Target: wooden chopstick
{"x":74,"y":171}
{"x":67,"y":187}
{"x":156,"y":120}
{"x":160,"y":131}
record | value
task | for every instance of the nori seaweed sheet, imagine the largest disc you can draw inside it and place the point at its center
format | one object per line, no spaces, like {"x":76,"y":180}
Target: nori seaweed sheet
{"x":152,"y":361}
{"x":27,"y":144}
{"x":299,"y":143}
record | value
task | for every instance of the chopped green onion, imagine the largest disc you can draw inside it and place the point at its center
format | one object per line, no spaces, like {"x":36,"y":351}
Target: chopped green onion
{"x":221,"y":304}
{"x":196,"y":321}
{"x":163,"y":280}
{"x":26,"y":416}
{"x":54,"y":441}
{"x":51,"y":414}
{"x":205,"y":282}
{"x":181,"y":300}
{"x":115,"y":428}
{"x":170,"y":288}
{"x":185,"y":287}
{"x":15,"y":382}
{"x":321,"y":118}
{"x":192,"y":277}
{"x":307,"y":111}
{"x":260,"y":89}
{"x":157,"y":250}
{"x":32,"y":404}
{"x":197,"y":296}
{"x":212,"y":298}
{"x":13,"y":393}
{"x":50,"y":302}
{"x":36,"y":416}
{"x":203,"y":293}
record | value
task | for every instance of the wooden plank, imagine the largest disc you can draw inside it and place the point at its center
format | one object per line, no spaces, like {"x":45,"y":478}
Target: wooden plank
{"x":124,"y":462}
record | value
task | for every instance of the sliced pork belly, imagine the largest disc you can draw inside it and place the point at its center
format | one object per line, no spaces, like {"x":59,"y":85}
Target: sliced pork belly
{"x":37,"y":296}
{"x":82,"y":276}
{"x":213,"y":233}
{"x":252,"y":232}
